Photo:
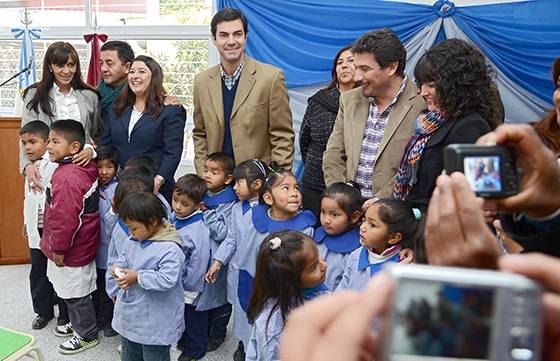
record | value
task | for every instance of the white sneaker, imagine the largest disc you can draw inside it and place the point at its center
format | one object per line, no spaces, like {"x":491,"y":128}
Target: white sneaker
{"x":76,"y":344}
{"x":64,"y":330}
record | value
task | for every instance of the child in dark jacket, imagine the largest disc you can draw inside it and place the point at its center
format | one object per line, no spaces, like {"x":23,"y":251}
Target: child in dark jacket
{"x":71,"y":234}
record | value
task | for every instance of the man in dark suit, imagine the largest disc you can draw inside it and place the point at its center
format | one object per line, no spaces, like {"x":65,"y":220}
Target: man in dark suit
{"x":241,"y":106}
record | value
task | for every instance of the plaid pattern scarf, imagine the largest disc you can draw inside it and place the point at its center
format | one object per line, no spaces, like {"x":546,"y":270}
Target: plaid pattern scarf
{"x":426,"y":125}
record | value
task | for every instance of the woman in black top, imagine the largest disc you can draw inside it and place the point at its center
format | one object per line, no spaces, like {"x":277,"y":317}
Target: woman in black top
{"x":462,"y":104}
{"x":317,"y":126}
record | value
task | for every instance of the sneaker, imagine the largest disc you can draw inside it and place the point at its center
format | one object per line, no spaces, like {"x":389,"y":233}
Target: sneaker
{"x":40,"y":322}
{"x":214,"y":343}
{"x":76,"y":344}
{"x":64,"y":330}
{"x":61,"y":321}
{"x":239,"y":354}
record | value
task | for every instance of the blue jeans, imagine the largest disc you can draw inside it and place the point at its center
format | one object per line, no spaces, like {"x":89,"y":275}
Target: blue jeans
{"x":132,"y":351}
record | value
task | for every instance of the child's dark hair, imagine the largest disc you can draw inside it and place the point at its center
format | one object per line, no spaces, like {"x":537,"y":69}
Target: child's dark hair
{"x":71,"y":130}
{"x":125,"y":187}
{"x":346,"y":195}
{"x":106,"y":152}
{"x":36,"y":127}
{"x":400,"y":217}
{"x":224,"y":160}
{"x":277,"y":274}
{"x":192,"y":186}
{"x":142,"y":207}
{"x":142,"y":173}
{"x":251,"y":170}
{"x":276,"y":175}
{"x":142,"y":160}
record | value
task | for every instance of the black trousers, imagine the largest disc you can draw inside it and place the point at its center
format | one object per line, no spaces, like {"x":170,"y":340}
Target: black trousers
{"x":102,"y":303}
{"x":42,"y":292}
{"x":311,"y":199}
{"x":195,"y":337}
{"x":218,"y":319}
{"x":82,"y":316}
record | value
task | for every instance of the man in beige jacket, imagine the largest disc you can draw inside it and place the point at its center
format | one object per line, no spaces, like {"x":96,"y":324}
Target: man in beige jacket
{"x":241,"y":106}
{"x":376,"y":120}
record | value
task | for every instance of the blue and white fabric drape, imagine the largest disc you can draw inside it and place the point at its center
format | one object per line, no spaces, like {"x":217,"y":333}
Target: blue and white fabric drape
{"x":27,"y":55}
{"x":520,"y":40}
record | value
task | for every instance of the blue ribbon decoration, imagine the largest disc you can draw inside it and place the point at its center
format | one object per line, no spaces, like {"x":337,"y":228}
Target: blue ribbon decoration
{"x":444,"y":8}
{"x":27,"y":49}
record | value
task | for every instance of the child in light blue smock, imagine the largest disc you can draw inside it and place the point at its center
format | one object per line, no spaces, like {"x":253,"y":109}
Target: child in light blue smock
{"x":390,"y":226}
{"x":281,"y":211}
{"x":107,"y":165}
{"x":289,"y":271}
{"x":187,"y":198}
{"x":339,"y":233}
{"x":219,"y":201}
{"x":149,"y":310}
{"x":249,"y":177}
{"x":129,"y":181}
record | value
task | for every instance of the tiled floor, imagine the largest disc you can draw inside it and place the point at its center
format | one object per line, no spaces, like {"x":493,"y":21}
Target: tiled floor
{"x":16,"y":312}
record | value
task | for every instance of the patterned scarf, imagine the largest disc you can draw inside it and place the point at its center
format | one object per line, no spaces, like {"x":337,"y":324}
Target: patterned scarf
{"x":426,"y":125}
{"x":108,"y":94}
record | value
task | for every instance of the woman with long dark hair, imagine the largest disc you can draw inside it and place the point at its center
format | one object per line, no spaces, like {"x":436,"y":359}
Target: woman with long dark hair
{"x":548,"y":128}
{"x":462,"y":104}
{"x":317,"y":126}
{"x":140,"y":123}
{"x":61,"y":94}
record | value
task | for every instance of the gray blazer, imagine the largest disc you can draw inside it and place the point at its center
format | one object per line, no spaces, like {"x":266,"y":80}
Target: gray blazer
{"x":88,"y":103}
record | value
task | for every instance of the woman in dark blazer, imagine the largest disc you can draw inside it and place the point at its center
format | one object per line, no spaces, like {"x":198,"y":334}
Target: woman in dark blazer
{"x":140,"y":123}
{"x":462,"y":104}
{"x":317,"y":126}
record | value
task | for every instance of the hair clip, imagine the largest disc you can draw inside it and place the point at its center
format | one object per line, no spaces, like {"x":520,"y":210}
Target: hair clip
{"x":417,"y":214}
{"x":275,"y":243}
{"x":260,"y":166}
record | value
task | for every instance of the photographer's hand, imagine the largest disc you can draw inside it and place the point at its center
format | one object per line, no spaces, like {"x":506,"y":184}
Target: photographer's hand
{"x":456,"y":233}
{"x":544,"y":269}
{"x":337,"y":327}
{"x":538,"y":190}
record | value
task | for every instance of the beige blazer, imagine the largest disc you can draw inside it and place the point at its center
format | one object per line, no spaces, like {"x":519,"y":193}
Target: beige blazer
{"x":340,"y":160}
{"x":261,"y":119}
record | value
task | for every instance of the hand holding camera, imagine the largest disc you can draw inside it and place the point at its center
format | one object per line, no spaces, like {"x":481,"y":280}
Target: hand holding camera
{"x":538,"y":194}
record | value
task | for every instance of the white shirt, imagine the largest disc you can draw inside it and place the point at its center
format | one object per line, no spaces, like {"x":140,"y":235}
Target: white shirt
{"x":34,"y":203}
{"x":134,"y":118}
{"x":66,"y":105}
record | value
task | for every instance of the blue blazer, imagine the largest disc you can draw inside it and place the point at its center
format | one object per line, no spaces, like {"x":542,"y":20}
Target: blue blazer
{"x":160,"y":138}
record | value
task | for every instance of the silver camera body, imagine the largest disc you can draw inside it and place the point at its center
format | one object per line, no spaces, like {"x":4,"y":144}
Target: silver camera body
{"x":445,"y":314}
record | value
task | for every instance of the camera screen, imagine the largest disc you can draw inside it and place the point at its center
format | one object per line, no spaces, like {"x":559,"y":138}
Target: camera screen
{"x":442,"y":320}
{"x":483,"y":173}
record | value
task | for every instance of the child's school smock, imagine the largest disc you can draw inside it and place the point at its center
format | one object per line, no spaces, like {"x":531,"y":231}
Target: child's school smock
{"x":119,"y":240}
{"x":108,"y":220}
{"x":196,"y":247}
{"x":265,"y":338}
{"x":151,"y":312}
{"x":363,"y":264}
{"x":254,"y":232}
{"x":335,"y":250}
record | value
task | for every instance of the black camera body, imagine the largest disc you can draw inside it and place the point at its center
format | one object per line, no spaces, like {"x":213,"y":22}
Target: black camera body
{"x":491,"y":170}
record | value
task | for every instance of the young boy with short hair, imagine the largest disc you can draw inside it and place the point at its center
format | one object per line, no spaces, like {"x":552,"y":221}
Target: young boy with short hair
{"x":107,"y":166}
{"x":71,"y":234}
{"x":187,"y":218}
{"x":33,"y":136}
{"x":219,"y":201}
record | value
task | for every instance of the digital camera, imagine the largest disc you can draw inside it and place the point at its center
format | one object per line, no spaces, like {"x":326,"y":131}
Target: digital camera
{"x":491,"y":170}
{"x":445,"y":314}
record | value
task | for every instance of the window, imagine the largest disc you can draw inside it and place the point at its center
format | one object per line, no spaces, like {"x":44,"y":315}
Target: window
{"x":174,"y":32}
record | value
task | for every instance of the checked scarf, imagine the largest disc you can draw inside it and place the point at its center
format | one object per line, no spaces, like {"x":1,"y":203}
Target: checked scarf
{"x":426,"y":125}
